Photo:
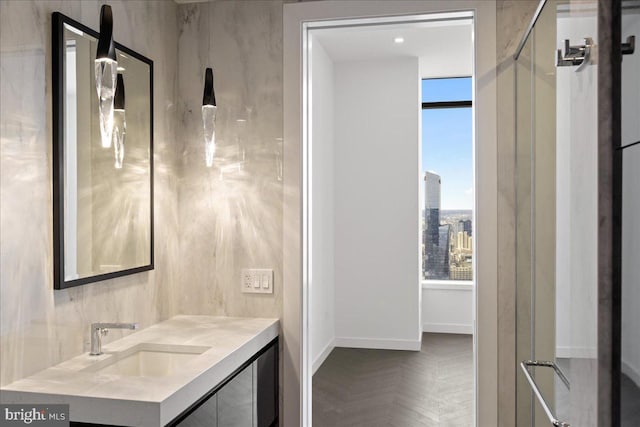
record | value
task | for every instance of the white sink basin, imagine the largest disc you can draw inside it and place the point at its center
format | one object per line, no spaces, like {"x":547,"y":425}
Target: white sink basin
{"x":148,"y":360}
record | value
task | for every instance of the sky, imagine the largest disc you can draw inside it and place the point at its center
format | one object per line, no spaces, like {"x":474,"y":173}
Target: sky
{"x":447,"y":141}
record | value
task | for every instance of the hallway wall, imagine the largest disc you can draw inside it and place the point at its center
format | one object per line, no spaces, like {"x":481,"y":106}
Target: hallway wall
{"x":322,"y":309}
{"x":377,"y":188}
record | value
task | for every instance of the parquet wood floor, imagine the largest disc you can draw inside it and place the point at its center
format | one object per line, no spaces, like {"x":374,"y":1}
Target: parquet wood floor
{"x":371,"y":388}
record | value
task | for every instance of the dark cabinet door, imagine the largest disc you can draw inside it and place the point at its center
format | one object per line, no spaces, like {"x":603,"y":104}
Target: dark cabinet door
{"x":236,"y":400}
{"x":204,"y":416}
{"x":248,"y":398}
{"x":267,"y":387}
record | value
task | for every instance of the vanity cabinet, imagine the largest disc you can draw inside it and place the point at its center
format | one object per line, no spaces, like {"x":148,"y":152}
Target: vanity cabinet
{"x":232,"y":405}
{"x":190,"y":370}
{"x":248,"y":398}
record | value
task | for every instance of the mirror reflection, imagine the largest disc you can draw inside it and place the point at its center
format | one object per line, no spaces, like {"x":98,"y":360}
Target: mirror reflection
{"x":106,"y":185}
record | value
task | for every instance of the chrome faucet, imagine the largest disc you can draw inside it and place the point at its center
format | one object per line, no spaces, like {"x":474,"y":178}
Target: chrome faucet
{"x":98,"y":330}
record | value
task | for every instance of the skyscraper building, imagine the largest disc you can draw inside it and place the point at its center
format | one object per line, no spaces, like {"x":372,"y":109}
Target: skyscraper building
{"x":457,"y":227}
{"x":432,"y":185}
{"x":441,"y":267}
{"x":466,"y":226}
{"x":433,"y":259}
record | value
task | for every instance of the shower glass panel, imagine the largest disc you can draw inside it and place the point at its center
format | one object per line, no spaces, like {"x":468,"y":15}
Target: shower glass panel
{"x":536,"y":217}
{"x":630,"y":334}
{"x":524,"y":340}
{"x":577,"y":184}
{"x":556,"y":196}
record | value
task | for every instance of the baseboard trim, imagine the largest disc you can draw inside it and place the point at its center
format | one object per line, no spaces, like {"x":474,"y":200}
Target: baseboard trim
{"x":630,"y":371}
{"x":378,"y":344}
{"x":326,"y":351}
{"x":448,"y":328}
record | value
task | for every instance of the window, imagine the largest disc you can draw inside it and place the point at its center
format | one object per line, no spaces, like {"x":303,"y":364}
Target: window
{"x":447,"y":169}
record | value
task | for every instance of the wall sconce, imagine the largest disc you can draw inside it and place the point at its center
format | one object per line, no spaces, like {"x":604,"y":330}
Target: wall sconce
{"x":209,"y":117}
{"x":106,"y":67}
{"x":119,"y":122}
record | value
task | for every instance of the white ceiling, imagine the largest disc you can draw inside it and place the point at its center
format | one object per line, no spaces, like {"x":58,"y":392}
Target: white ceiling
{"x":444,"y":48}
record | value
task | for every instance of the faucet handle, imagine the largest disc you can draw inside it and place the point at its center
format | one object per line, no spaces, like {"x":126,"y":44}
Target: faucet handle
{"x":98,"y":330}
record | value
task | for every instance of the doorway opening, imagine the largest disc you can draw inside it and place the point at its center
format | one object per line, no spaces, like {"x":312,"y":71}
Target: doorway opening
{"x":299,"y":20}
{"x":378,"y":287}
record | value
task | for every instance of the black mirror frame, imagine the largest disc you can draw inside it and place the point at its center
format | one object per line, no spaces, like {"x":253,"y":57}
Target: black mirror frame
{"x":57,"y":73}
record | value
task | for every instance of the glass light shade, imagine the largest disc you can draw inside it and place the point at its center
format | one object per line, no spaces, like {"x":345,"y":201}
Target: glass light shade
{"x":209,"y":125}
{"x":119,"y":135}
{"x":106,"y":70}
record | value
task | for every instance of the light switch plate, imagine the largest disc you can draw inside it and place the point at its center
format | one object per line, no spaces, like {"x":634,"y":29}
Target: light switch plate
{"x":256,"y":280}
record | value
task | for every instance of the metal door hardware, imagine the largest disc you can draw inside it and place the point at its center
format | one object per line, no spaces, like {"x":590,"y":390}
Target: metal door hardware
{"x":536,"y":390}
{"x":579,"y":55}
{"x":575,"y":55}
{"x":630,"y":46}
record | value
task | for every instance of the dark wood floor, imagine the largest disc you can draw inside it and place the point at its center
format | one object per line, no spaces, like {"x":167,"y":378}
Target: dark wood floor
{"x":432,"y":387}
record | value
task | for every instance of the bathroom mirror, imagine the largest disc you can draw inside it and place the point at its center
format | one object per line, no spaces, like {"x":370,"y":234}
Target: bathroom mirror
{"x":102,"y":189}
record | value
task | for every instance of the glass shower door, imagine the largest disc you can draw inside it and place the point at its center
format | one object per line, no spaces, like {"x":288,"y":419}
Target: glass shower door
{"x":577,"y":184}
{"x":536,"y":225}
{"x":557,"y":229}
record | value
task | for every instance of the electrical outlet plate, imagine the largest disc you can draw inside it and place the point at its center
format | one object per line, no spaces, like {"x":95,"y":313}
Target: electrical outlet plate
{"x":256,"y":280}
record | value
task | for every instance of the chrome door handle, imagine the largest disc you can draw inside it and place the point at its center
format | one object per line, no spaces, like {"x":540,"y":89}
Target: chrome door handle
{"x":544,"y":364}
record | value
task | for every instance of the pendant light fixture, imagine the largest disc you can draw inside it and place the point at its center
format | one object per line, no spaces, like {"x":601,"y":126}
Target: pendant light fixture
{"x":106,"y":67}
{"x":119,"y":122}
{"x":209,"y":117}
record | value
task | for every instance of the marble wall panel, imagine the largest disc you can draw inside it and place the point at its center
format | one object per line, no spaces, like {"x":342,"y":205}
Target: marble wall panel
{"x":40,"y":327}
{"x":231,"y":213}
{"x":512,"y":19}
{"x":209,"y":223}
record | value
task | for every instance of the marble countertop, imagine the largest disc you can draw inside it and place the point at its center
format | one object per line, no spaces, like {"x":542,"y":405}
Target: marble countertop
{"x":113,"y":399}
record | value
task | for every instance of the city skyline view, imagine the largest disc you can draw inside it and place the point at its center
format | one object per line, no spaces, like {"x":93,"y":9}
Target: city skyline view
{"x":447,"y":236}
{"x":447,"y":196}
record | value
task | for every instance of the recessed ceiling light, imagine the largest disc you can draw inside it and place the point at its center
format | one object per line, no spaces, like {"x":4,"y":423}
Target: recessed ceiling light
{"x":398,"y":40}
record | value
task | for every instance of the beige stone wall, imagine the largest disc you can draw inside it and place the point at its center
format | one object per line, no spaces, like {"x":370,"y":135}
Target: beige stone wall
{"x":512,"y":18}
{"x":231,"y":213}
{"x":209,"y":222}
{"x":40,"y":327}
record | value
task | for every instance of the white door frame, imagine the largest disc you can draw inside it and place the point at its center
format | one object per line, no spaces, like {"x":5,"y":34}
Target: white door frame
{"x":296,"y":409}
